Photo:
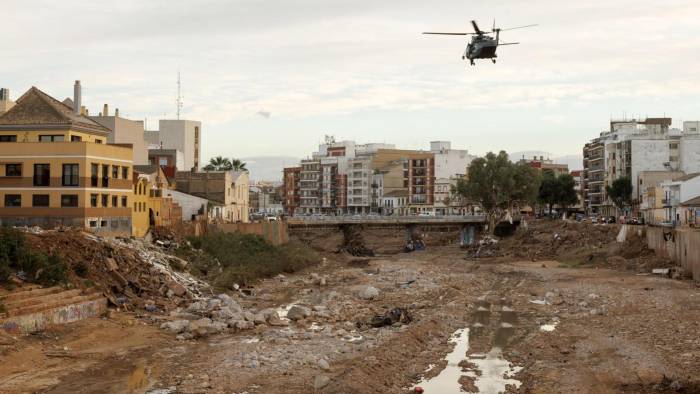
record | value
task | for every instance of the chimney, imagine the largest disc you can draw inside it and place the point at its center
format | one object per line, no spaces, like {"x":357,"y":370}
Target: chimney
{"x":105,"y":110}
{"x":116,"y":112}
{"x":77,"y":98}
{"x":4,"y":94}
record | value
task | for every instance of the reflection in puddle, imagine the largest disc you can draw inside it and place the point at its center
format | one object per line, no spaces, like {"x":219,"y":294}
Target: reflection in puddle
{"x":447,"y":381}
{"x":492,"y":373}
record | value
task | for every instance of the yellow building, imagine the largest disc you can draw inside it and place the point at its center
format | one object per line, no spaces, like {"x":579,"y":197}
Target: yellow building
{"x":57,"y":169}
{"x":150,"y":208}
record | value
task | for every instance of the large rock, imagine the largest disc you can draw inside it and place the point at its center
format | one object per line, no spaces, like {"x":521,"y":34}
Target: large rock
{"x":227,"y":313}
{"x":275,"y":321}
{"x":203,"y":327}
{"x":229,"y":302}
{"x":321,"y":381}
{"x":259,"y":318}
{"x":368,"y":292}
{"x":298,"y":312}
{"x":176,"y":326}
{"x":177,"y":289}
{"x":198,"y":307}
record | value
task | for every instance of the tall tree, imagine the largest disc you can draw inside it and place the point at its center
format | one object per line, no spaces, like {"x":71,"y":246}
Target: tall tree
{"x":567,"y":195}
{"x":620,"y":192}
{"x":498,"y":185}
{"x":238,"y":165}
{"x":218,"y":163}
{"x":549,"y":190}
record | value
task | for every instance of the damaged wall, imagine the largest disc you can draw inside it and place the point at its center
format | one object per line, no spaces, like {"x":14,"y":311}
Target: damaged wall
{"x":680,"y":245}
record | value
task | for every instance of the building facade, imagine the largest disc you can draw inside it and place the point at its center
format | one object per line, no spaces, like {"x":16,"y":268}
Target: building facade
{"x":181,"y":135}
{"x":227,"y":192}
{"x":57,"y":168}
{"x":292,"y":190}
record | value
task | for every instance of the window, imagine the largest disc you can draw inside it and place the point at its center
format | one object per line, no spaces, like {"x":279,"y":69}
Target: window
{"x":93,"y":200}
{"x":125,"y":172}
{"x":13,"y":170}
{"x":114,"y":201}
{"x":69,"y":200}
{"x":94,"y":170}
{"x":70,"y":175}
{"x":42,"y":175}
{"x":124,"y":201}
{"x":13,"y":200}
{"x":98,"y":141}
{"x":115,"y":172}
{"x":76,"y":138}
{"x":103,"y":223}
{"x":40,"y":200}
{"x":8,"y":138}
{"x":105,"y":200}
{"x":51,"y":138}
{"x":162,"y":161}
{"x":105,"y":175}
{"x":93,"y":223}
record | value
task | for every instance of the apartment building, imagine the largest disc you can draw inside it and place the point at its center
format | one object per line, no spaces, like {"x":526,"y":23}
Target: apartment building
{"x":310,"y":186}
{"x":56,"y":168}
{"x":545,"y":165}
{"x":630,"y":148}
{"x":417,"y":177}
{"x":292,"y":190}
{"x":124,"y":131}
{"x":181,"y":135}
{"x":449,"y":162}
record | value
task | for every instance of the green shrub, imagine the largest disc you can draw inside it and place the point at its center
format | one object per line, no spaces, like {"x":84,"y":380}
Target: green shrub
{"x":245,"y":258}
{"x":54,"y":272}
{"x":81,"y":269}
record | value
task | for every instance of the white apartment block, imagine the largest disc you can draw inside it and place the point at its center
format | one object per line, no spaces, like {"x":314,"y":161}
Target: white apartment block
{"x":182,"y":135}
{"x":632,"y":148}
{"x":449,"y":162}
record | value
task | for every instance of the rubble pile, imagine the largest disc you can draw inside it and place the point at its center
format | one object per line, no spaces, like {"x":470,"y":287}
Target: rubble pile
{"x":354,"y":243}
{"x":132,"y":274}
{"x":208,"y":316}
{"x":486,"y":247}
{"x":550,"y":239}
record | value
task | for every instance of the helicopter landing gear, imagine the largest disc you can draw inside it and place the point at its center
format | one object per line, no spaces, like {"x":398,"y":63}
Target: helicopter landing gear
{"x":472,"y":62}
{"x":493,"y":60}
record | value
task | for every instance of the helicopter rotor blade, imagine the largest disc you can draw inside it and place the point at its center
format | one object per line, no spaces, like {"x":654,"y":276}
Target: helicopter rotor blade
{"x":447,"y":34}
{"x":508,"y":43}
{"x":518,"y":27}
{"x":476,"y":27}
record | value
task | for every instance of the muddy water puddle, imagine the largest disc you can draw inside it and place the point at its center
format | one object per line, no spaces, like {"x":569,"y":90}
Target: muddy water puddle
{"x":483,"y":372}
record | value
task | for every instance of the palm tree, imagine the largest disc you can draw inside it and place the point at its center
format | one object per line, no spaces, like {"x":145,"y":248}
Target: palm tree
{"x":218,"y":163}
{"x":238,"y":165}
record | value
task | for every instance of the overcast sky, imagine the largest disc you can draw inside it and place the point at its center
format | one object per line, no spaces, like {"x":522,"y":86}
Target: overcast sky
{"x":272,"y":77}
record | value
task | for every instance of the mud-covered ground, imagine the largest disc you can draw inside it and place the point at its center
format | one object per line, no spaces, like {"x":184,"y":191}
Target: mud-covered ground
{"x":488,"y":324}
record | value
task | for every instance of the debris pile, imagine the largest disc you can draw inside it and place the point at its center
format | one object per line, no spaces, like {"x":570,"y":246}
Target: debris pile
{"x":132,"y":274}
{"x":214,"y":315}
{"x":487,"y":247}
{"x":353,"y":242}
{"x":395,"y":316}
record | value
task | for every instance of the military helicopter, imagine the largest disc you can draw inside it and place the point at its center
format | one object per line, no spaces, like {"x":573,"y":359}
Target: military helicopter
{"x":482,"y":45}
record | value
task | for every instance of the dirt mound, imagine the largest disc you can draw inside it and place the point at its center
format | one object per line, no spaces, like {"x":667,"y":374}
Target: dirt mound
{"x":130,"y":273}
{"x":576,"y":244}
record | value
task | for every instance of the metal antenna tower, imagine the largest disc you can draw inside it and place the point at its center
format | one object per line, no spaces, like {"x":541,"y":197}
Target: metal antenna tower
{"x":179,"y":96}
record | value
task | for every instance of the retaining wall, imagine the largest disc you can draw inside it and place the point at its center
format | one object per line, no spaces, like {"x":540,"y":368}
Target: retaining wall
{"x":274,"y":232}
{"x":38,"y":321}
{"x":680,"y":245}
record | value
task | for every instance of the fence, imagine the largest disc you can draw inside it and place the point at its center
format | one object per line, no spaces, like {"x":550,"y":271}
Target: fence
{"x":274,"y":232}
